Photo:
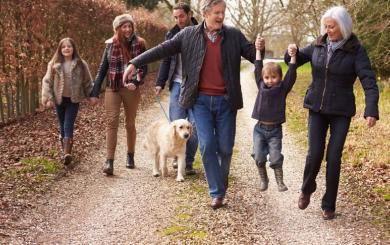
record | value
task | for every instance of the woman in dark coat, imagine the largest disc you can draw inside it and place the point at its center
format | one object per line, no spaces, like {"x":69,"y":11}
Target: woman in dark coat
{"x":337,"y":59}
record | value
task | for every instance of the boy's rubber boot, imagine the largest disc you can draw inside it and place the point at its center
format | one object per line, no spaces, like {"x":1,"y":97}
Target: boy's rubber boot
{"x":279,"y":179}
{"x":263,"y":178}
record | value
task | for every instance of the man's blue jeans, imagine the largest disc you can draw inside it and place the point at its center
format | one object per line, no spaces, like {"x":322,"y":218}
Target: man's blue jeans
{"x":178,"y":112}
{"x":67,"y":112}
{"x":216,"y":124}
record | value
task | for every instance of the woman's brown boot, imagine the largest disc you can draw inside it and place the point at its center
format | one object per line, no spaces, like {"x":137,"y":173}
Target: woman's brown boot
{"x":109,"y":167}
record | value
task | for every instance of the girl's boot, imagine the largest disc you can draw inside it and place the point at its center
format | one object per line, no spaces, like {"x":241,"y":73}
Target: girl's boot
{"x":68,"y":143}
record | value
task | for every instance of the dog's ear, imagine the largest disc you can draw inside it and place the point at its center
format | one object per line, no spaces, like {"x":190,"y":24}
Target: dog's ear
{"x":190,"y":125}
{"x":172,"y":131}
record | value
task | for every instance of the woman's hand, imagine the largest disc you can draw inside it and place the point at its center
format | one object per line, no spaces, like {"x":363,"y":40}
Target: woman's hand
{"x":371,"y":121}
{"x":131,"y":86}
{"x":158,"y":89}
{"x":49,"y":104}
{"x":292,"y":49}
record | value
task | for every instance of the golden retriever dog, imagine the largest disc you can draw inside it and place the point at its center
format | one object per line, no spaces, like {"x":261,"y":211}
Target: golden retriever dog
{"x":167,"y":140}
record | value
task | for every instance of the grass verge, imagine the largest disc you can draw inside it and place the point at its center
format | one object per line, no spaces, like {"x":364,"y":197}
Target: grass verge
{"x":183,"y":228}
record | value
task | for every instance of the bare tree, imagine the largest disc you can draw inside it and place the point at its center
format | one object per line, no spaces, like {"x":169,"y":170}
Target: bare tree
{"x":302,"y":17}
{"x":255,"y":16}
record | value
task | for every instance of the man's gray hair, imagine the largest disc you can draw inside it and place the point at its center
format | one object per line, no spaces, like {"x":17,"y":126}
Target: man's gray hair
{"x":343,"y":19}
{"x":206,"y":5}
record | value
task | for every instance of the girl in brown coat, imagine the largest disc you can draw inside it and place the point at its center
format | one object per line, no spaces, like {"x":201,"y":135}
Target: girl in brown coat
{"x":67,"y":81}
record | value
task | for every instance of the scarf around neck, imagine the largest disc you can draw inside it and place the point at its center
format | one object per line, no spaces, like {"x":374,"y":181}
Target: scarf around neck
{"x":116,"y":66}
{"x":333,"y":46}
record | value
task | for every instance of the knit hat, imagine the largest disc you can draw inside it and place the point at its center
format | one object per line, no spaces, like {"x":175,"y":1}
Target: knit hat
{"x":120,"y":19}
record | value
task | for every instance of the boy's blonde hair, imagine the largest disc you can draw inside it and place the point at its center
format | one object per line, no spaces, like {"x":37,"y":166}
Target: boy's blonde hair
{"x":273,"y":68}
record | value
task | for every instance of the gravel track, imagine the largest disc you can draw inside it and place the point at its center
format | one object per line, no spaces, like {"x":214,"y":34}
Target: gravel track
{"x":133,"y":207}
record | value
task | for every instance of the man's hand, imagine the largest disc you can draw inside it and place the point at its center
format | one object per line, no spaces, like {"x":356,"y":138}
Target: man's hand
{"x":371,"y":121}
{"x":129,"y":73}
{"x":94,"y":101}
{"x":131,"y":86}
{"x":260,"y":43}
{"x":158,"y":89}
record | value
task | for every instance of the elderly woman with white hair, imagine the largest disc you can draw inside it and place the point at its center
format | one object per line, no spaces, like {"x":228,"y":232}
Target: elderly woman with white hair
{"x":122,"y":47}
{"x":337,"y":59}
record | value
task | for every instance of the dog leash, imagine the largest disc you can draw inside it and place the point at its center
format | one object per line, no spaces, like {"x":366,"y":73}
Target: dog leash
{"x":162,"y":108}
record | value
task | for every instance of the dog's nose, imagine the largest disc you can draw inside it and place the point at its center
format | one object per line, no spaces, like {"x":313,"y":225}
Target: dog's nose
{"x":186,"y":136}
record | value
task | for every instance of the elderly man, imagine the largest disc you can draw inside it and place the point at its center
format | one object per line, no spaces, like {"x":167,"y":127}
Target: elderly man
{"x":211,"y":56}
{"x":171,"y":71}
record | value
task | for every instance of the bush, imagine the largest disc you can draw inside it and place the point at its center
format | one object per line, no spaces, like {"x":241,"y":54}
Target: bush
{"x":29,"y":35}
{"x":373,"y":29}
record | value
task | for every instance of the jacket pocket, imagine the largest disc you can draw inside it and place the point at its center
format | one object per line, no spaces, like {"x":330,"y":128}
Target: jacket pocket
{"x":309,"y":97}
{"x":343,"y":102}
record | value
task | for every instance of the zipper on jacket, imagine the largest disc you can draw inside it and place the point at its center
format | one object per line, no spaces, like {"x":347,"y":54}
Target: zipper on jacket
{"x":323,"y":92}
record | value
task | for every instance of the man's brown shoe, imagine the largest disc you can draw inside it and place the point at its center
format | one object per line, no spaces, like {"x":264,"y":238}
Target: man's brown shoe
{"x":190,"y":171}
{"x":217,"y":202}
{"x":328,"y":214}
{"x":304,"y":200}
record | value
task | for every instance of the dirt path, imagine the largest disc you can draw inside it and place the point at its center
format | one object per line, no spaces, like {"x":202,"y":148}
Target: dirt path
{"x":133,"y":207}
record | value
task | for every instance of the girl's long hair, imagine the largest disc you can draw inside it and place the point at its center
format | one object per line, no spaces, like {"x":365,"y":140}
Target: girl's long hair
{"x":123,"y":41}
{"x":58,"y":57}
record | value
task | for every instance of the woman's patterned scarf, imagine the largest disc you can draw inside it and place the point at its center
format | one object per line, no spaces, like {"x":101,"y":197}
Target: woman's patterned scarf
{"x":116,"y":66}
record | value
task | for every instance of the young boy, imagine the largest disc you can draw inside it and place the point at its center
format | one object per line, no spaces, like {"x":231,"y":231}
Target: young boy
{"x":269,"y":110}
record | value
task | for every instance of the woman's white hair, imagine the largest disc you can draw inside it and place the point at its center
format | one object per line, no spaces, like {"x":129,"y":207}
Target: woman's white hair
{"x":206,"y":5}
{"x":343,"y":19}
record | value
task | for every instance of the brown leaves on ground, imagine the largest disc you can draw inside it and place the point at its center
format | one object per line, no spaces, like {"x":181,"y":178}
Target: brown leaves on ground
{"x":36,"y":138}
{"x":366,"y":186}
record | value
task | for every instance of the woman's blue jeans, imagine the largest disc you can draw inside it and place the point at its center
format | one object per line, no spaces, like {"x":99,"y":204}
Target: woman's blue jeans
{"x":318,"y":128}
{"x":67,"y":113}
{"x":216,"y":126}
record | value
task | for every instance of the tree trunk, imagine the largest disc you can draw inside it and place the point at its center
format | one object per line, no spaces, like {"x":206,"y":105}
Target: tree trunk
{"x":1,"y":105}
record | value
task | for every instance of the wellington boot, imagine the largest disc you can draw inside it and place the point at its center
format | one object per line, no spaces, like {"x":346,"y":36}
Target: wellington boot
{"x":263,"y":178}
{"x":279,"y":179}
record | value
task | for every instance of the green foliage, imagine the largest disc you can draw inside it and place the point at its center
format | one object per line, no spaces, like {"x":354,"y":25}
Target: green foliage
{"x":37,"y":168}
{"x":384,"y":192}
{"x":373,"y":29}
{"x":29,"y":35}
